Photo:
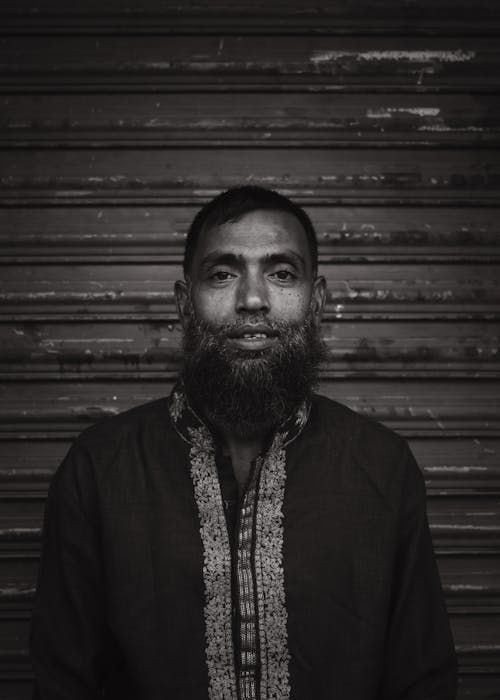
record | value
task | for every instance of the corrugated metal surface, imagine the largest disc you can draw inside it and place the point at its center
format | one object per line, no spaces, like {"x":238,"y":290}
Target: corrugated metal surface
{"x":118,"y":120}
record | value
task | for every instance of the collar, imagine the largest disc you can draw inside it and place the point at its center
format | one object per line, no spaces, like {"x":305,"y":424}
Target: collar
{"x":195,"y":431}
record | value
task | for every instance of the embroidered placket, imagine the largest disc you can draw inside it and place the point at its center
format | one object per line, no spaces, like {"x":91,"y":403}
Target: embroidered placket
{"x":247,"y":622}
{"x":216,"y":567}
{"x":270,"y":584}
{"x":263,"y":655}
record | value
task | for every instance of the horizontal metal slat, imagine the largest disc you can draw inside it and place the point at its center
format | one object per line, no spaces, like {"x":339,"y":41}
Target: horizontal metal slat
{"x":406,"y":175}
{"x":157,"y":233}
{"x":384,"y":17}
{"x":470,"y":465}
{"x":434,"y":291}
{"x":464,"y":521}
{"x":453,"y":408}
{"x":227,"y":61}
{"x":104,"y":120}
{"x":403,"y":348}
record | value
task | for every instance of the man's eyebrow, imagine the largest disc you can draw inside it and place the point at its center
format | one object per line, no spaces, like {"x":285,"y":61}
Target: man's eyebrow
{"x":288,"y":255}
{"x":221,"y":257}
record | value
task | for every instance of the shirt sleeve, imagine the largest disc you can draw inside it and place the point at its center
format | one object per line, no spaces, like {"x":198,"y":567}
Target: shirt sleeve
{"x":420,"y":660}
{"x":67,"y":632}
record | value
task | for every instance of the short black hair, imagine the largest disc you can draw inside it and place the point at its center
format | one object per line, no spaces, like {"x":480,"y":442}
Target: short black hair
{"x":234,"y":203}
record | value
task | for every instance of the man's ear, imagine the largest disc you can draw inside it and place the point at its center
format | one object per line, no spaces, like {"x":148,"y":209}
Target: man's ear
{"x":319,"y":298}
{"x":182,"y":301}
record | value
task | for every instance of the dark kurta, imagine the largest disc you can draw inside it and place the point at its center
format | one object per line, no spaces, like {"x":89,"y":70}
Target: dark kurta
{"x":122,"y":591}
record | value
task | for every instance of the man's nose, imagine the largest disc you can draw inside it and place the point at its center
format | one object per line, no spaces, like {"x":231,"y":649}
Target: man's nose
{"x":252,"y":294}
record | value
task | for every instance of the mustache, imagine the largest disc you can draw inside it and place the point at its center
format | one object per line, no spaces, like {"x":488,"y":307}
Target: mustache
{"x":229,"y":329}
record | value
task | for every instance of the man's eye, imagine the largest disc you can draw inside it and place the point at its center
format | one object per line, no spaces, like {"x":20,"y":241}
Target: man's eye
{"x":283,"y":275}
{"x":221,"y":275}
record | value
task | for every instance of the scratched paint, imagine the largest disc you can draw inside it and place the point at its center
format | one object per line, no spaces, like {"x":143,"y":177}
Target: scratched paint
{"x":389,"y":112}
{"x":445,"y":128}
{"x":457,"y":56}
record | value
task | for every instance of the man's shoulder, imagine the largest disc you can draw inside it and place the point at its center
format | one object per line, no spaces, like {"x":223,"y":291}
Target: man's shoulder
{"x":141,"y":428}
{"x":335,"y":416}
{"x":106,"y":449}
{"x":152,"y":415}
{"x":366,"y":445}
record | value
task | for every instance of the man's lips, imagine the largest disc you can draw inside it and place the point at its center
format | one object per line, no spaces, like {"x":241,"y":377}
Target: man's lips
{"x":250,"y":330}
{"x":253,"y":336}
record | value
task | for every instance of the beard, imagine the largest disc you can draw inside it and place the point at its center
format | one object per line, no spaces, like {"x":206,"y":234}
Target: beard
{"x":249,"y":392}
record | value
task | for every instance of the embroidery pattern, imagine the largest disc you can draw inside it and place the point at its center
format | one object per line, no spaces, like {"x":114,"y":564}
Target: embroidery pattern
{"x":247,"y":595}
{"x":260,"y":578}
{"x":270,"y":575}
{"x":302,"y":415}
{"x":216,"y":567}
{"x":177,"y":405}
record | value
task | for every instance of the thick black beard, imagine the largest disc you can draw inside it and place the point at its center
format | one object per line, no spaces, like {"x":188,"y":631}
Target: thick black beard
{"x":247,"y":393}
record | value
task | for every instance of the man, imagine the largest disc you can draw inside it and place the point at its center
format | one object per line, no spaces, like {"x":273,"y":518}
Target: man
{"x":244,"y":538}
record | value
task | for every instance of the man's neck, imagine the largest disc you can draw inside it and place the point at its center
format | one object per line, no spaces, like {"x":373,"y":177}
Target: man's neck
{"x":242,"y":452}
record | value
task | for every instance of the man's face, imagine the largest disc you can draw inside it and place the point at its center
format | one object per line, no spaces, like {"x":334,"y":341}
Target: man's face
{"x":251,"y":315}
{"x":257,"y":267}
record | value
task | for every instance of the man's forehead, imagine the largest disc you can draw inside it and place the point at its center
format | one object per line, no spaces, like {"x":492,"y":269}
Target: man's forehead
{"x":257,"y":233}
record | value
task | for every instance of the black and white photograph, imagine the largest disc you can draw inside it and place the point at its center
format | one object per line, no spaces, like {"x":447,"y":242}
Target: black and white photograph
{"x":250,"y":350}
